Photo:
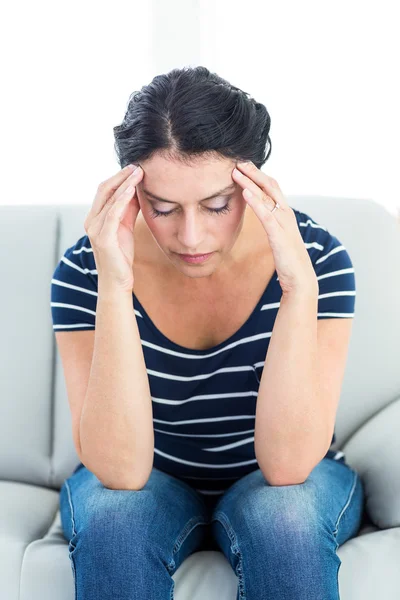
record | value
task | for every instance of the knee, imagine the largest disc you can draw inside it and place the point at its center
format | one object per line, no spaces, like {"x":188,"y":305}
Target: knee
{"x":120,"y":514}
{"x":281,"y":511}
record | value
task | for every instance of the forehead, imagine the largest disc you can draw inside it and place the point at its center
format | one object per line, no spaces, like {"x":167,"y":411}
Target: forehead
{"x":180,"y":183}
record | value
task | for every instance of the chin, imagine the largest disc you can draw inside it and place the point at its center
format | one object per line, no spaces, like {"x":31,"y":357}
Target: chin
{"x":195,"y":273}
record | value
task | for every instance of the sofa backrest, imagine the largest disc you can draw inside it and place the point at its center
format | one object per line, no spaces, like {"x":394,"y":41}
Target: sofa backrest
{"x":36,"y":444}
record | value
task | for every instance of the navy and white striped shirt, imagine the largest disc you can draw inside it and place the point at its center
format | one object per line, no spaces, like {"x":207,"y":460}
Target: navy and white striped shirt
{"x":204,"y":401}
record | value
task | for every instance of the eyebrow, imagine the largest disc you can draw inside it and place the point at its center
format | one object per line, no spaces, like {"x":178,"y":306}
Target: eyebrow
{"x":228,"y":188}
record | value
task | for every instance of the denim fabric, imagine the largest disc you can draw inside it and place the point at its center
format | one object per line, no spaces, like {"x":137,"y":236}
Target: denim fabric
{"x":281,"y":541}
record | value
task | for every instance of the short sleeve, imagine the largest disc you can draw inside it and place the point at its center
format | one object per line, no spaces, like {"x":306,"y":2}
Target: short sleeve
{"x":336,"y":279}
{"x":74,"y":289}
{"x":333,"y":267}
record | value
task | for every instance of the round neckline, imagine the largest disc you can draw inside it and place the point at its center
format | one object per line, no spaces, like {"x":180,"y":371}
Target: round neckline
{"x":213,"y":349}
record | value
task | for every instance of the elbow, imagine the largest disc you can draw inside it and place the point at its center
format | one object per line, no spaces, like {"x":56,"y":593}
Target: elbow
{"x":132,"y":486}
{"x":283,"y":476}
{"x":124,"y":481}
{"x":124,"y":487}
{"x":284,"y":472}
{"x":117,"y":477}
{"x":277,"y":480}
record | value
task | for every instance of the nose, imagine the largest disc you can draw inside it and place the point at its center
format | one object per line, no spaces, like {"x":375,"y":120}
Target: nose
{"x":191,"y":234}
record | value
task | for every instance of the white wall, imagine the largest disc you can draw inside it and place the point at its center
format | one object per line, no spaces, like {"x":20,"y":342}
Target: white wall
{"x":326,"y":71}
{"x":69,"y":70}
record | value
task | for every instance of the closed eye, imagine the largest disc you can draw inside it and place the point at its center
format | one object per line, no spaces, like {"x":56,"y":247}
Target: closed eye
{"x":217,"y":211}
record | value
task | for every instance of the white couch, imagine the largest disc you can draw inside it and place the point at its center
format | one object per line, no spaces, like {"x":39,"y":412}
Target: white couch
{"x":36,"y":447}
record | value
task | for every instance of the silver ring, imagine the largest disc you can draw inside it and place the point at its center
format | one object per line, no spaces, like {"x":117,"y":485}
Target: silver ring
{"x":277,"y":205}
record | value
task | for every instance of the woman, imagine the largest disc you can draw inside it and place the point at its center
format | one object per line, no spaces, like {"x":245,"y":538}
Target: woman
{"x":175,"y":376}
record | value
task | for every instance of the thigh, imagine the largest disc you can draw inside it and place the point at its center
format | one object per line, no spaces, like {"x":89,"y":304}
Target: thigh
{"x":166,"y":513}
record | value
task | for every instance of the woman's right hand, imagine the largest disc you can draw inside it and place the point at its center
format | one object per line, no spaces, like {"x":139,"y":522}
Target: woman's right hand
{"x":109,"y":226}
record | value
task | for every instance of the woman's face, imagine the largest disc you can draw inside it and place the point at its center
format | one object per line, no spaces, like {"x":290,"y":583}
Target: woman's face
{"x":188,"y":224}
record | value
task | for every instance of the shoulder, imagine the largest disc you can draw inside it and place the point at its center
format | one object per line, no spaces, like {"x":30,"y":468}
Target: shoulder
{"x":73,"y":295}
{"x":78,"y":260}
{"x":333,"y":267}
{"x":81,"y":251}
{"x":311,"y":231}
{"x":319,"y":240}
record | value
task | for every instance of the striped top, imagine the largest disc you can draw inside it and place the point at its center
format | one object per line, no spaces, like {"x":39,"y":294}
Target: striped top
{"x":204,"y":401}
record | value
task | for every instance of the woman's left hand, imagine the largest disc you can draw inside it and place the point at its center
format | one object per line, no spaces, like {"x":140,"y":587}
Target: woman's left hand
{"x":292,"y":261}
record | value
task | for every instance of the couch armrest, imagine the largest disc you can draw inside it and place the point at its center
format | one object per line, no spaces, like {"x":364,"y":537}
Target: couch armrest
{"x":374,"y":452}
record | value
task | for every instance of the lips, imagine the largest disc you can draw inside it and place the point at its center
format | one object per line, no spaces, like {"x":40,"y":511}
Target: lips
{"x":194,"y":255}
{"x":194,"y":259}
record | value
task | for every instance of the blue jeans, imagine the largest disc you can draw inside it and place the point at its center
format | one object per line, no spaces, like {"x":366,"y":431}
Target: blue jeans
{"x":281,"y":541}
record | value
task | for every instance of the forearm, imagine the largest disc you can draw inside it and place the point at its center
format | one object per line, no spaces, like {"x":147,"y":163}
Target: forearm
{"x":291,"y":428}
{"x":116,"y":426}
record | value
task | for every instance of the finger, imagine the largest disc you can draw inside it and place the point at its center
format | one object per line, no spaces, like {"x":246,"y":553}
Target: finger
{"x":106,"y":189}
{"x":133,"y":179}
{"x":114,"y":214}
{"x":253,"y":178}
{"x":120,"y":196}
{"x":263,"y":209}
{"x":253,"y":194}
